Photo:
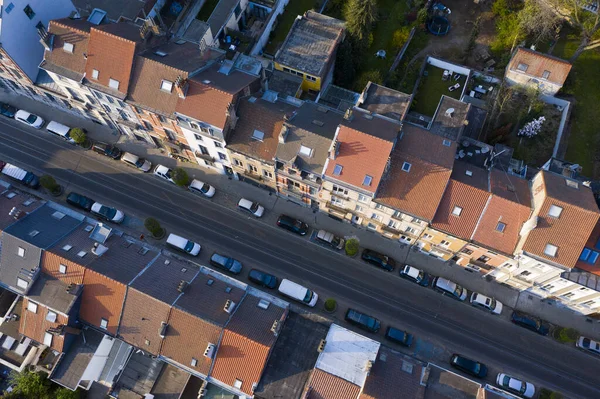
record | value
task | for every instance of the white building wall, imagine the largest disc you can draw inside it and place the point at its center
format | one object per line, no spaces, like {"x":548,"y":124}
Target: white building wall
{"x":215,"y":146}
{"x":519,"y":78}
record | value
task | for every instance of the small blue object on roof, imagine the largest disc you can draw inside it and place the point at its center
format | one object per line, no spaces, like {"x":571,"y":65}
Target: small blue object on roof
{"x":175,"y":8}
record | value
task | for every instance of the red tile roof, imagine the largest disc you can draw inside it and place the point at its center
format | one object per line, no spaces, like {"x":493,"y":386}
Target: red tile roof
{"x":205,"y":103}
{"x":75,"y":32}
{"x":360,"y":154}
{"x":322,"y":385}
{"x":537,"y":63}
{"x":102,"y":298}
{"x":35,"y":325}
{"x":146,"y":83}
{"x":50,"y":265}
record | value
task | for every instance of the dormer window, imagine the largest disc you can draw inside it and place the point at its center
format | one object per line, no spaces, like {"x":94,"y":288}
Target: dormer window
{"x":546,"y":75}
{"x":113,"y":84}
{"x":68,"y":47}
{"x":522,"y":67}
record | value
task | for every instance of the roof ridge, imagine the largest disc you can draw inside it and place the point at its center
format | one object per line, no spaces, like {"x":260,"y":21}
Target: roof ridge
{"x":56,"y":22}
{"x":162,"y":64}
{"x":365,"y":133}
{"x":113,"y":35}
{"x":550,"y":56}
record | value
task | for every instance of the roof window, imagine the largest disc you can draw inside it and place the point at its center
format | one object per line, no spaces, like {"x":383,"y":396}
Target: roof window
{"x":469,"y":172}
{"x":546,"y":75}
{"x":522,"y":67}
{"x":337,"y":170}
{"x":406,"y":166}
{"x":306,"y":151}
{"x":500,"y":227}
{"x":68,"y":47}
{"x":67,"y":247}
{"x":367,"y":180}
{"x":555,"y":211}
{"x":113,"y":84}
{"x":166,"y":85}
{"x":95,"y":74}
{"x":160,"y":53}
{"x":81,"y":254}
{"x":58,"y":215}
{"x":572,"y":183}
{"x":447,"y":143}
{"x":457,"y":211}
{"x":258,"y":135}
{"x":550,"y":250}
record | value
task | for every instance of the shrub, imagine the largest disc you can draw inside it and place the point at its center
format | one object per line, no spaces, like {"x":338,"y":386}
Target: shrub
{"x":351,"y":246}
{"x":153,"y":226}
{"x":49,"y":183}
{"x":78,"y":135}
{"x":422,"y":16}
{"x":180,"y":177}
{"x":400,"y":36}
{"x":566,"y":335}
{"x":548,"y":394}
{"x":330,"y":305}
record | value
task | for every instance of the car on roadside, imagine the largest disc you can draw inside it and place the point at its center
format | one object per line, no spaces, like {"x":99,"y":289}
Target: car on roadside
{"x":362,"y":321}
{"x":415,"y":275}
{"x":133,"y":160}
{"x":513,"y":385}
{"x":226,"y":263}
{"x":468,"y":366}
{"x":330,"y":239}
{"x":107,"y":213}
{"x":198,"y":187}
{"x":7,"y":110}
{"x":448,"y":287}
{"x":251,"y":207}
{"x":530,"y":323}
{"x":485,"y":302}
{"x":183,"y":245}
{"x":106,"y":149}
{"x":263,"y":279}
{"x":80,"y":201}
{"x":291,"y":224}
{"x":398,"y":336}
{"x":378,"y":259}
{"x":164,"y":173}
{"x":588,"y":345}
{"x":29,"y":119}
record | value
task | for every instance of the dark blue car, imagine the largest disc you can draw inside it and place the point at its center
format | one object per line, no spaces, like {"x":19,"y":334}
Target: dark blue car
{"x":530,"y":323}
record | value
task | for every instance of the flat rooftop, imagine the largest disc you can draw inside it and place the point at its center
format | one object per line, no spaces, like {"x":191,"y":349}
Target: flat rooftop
{"x":53,"y":293}
{"x":74,"y":363}
{"x":450,"y":117}
{"x":444,"y":384}
{"x":347,"y":355}
{"x":129,"y":9}
{"x":384,"y":101}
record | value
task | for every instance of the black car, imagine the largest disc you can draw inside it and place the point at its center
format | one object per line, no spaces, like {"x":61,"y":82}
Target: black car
{"x":263,"y":279}
{"x":399,"y":336}
{"x":293,"y":225}
{"x":466,"y":365}
{"x":415,"y":275}
{"x":7,"y":110}
{"x":530,"y":323}
{"x":106,"y":149}
{"x":379,"y":260}
{"x":80,"y":201}
{"x":226,"y":263}
{"x":362,"y":321}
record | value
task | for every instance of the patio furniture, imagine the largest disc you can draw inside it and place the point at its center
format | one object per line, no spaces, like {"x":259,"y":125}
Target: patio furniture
{"x":380,"y":54}
{"x":454,"y":87}
{"x":472,"y":93}
{"x":8,"y":342}
{"x":480,"y":89}
{"x":456,"y":76}
{"x":446,"y":75}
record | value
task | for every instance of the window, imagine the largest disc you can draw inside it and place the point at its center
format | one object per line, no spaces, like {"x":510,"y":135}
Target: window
{"x":427,"y":236}
{"x":267,"y":174}
{"x":29,"y":12}
{"x":208,"y":163}
{"x":555,"y":211}
{"x":550,"y":250}
{"x":306,"y":151}
{"x":358,"y":208}
{"x":22,"y":283}
{"x":546,"y":75}
{"x":371,"y":226}
{"x":406,"y":166}
{"x":252,"y":168}
{"x":237,"y":162}
{"x":162,"y":118}
{"x":525,"y":273}
{"x":21,"y":252}
{"x":203,"y":150}
{"x":166,"y":85}
{"x":121,"y":104}
{"x":367,"y":180}
{"x":103,"y":323}
{"x":9,"y":8}
{"x":68,"y":47}
{"x":48,"y":339}
{"x":32,"y":307}
{"x":568,"y":295}
{"x":466,"y":251}
{"x":51,"y":316}
{"x":522,"y":67}
{"x":194,"y":362}
{"x":339,"y":190}
{"x":208,"y":130}
{"x":363,"y":198}
{"x":593,"y":257}
{"x":337,"y":170}
{"x":113,"y":84}
{"x":148,"y":126}
{"x":457,"y":211}
{"x":222,"y":156}
{"x":379,"y":206}
{"x":572,"y":183}
{"x":198,"y":137}
{"x":500,"y":227}
{"x":376,"y":217}
{"x":410,"y":230}
{"x":548,"y":287}
{"x":445,"y":243}
{"x":484,"y":259}
{"x":337,"y":201}
{"x":218,"y":145}
{"x":238,"y":384}
{"x":397,"y":214}
{"x":62,"y":269}
{"x":394,"y":224}
{"x":311,"y":78}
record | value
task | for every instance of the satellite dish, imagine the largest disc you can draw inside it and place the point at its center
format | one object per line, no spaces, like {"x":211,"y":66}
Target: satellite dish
{"x":449,"y":111}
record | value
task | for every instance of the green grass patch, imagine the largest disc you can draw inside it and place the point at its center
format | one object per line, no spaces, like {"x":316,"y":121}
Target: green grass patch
{"x":286,"y":20}
{"x":431,"y":89}
{"x":207,"y":9}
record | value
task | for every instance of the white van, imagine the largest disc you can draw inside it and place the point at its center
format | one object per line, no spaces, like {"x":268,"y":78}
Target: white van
{"x":298,"y":292}
{"x":137,"y":162}
{"x":60,"y":130}
{"x":184,"y":245}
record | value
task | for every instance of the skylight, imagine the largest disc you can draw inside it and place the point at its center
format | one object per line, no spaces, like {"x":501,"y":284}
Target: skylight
{"x":367,"y":181}
{"x":337,"y":170}
{"x":306,"y":151}
{"x":406,"y":166}
{"x":258,"y":135}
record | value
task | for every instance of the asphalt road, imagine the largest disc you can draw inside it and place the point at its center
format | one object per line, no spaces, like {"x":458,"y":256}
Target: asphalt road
{"x":457,"y":327}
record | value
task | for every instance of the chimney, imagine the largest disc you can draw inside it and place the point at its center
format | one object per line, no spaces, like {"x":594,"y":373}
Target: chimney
{"x":163,"y":330}
{"x":349,"y":115}
{"x":290,"y":117}
{"x":99,"y":249}
{"x":334,"y":149}
{"x":275,"y":328}
{"x":182,"y":286}
{"x":181,"y":86}
{"x":229,"y":306}
{"x":16,"y":213}
{"x":283,"y":134}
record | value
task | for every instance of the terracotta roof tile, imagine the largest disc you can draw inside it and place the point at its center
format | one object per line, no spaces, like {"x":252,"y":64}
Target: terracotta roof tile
{"x":359,"y":155}
{"x":146,"y":83}
{"x":205,"y":103}
{"x":593,"y":244}
{"x":557,"y":187}
{"x":102,"y":298}
{"x":322,"y":385}
{"x":537,"y":63}
{"x":75,"y":32}
{"x":35,"y":325}
{"x":51,"y":265}
{"x":187,"y":338}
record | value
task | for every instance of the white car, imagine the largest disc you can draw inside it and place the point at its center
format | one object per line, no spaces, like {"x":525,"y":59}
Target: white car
{"x":588,"y":345}
{"x":107,"y":213}
{"x":163,"y":172}
{"x":29,"y":119}
{"x":511,"y":384}
{"x":485,"y":302}
{"x":196,"y":186}
{"x":253,"y":207}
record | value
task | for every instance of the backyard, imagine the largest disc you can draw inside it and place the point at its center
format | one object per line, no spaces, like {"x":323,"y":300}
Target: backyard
{"x":432,"y":87}
{"x":207,"y":8}
{"x":285,"y":22}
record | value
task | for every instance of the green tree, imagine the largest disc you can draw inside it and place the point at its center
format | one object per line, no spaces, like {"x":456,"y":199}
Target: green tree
{"x":49,"y":184}
{"x":360,"y":16}
{"x":30,"y":385}
{"x":400,"y":36}
{"x":330,"y":305}
{"x":352,"y":246}
{"x":64,"y":393}
{"x":153,"y":226}
{"x":180,"y":177}
{"x":78,"y":135}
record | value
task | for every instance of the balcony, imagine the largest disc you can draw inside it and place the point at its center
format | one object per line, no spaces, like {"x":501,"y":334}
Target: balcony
{"x":337,"y":208}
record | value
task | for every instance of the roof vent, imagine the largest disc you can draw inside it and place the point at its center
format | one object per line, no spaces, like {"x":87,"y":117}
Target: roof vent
{"x":182,"y":286}
{"x":321,"y":346}
{"x":16,"y":213}
{"x":183,"y":270}
{"x":160,"y":53}
{"x":81,"y":254}
{"x":510,"y":188}
{"x":99,"y":249}
{"x":349,"y":115}
{"x":210,"y":281}
{"x":143,"y":251}
{"x":263,"y":304}
{"x":368,"y":116}
{"x":34,"y":233}
{"x":126,"y":243}
{"x":318,"y":123}
{"x":88,"y":228}
{"x":11,"y":195}
{"x":67,"y":247}
{"x":275,"y":327}
{"x":28,"y":202}
{"x":449,"y":112}
{"x":167,"y":261}
{"x":228,"y":289}
{"x":469,"y":172}
{"x":163,"y":329}
{"x":229,"y":306}
{"x":210,"y":350}
{"x":180,"y":41}
{"x":58,"y":215}
{"x":206,"y":82}
{"x":252,"y":99}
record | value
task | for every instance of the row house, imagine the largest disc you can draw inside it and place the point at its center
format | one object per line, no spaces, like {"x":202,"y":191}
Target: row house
{"x":543,"y":72}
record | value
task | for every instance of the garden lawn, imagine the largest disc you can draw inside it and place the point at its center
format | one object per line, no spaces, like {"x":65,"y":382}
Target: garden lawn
{"x":286,"y":20}
{"x":431,"y":89}
{"x":207,"y":8}
{"x":583,"y":84}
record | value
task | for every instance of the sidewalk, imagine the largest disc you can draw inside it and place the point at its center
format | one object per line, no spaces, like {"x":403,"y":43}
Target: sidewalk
{"x":229,"y":191}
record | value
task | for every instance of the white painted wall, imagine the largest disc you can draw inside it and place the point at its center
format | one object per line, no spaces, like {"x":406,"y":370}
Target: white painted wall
{"x":520,"y":78}
{"x":211,"y":144}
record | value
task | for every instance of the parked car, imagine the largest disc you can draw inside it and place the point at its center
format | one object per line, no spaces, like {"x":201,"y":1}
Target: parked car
{"x":588,"y":345}
{"x":226,"y":263}
{"x":198,"y":187}
{"x":518,"y":387}
{"x":263,"y":279}
{"x":107,"y":213}
{"x":466,"y":365}
{"x":330,"y":239}
{"x":293,"y":225}
{"x":7,"y":110}
{"x":530,"y":323}
{"x":399,"y":336}
{"x":362,"y":321}
{"x":446,"y":286}
{"x":378,"y":259}
{"x":163,"y":172}
{"x":29,"y":119}
{"x":137,"y":162}
{"x":183,"y":244}
{"x":106,"y":149}
{"x":485,"y":302}
{"x":21,"y":175}
{"x":80,"y":201}
{"x":252,"y":207}
{"x":298,"y":292}
{"x":415,"y":275}
{"x":61,"y":131}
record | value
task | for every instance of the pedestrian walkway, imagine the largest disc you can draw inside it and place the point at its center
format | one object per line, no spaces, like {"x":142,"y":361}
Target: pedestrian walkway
{"x":230,"y":190}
